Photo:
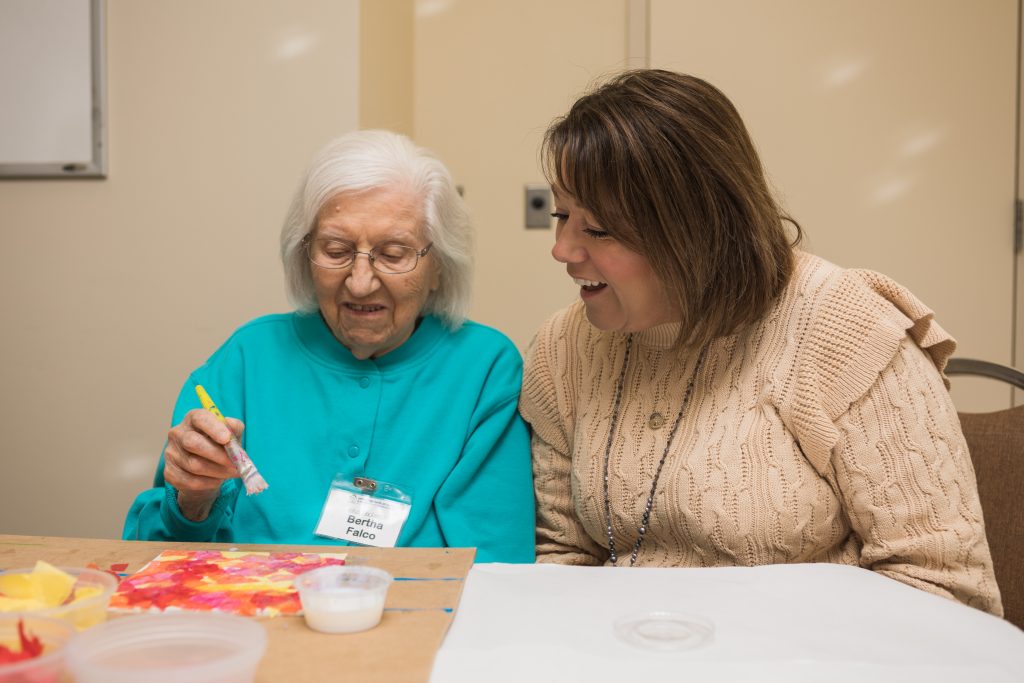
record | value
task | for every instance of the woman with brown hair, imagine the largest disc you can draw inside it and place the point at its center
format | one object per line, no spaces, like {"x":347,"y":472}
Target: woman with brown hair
{"x":718,"y":397}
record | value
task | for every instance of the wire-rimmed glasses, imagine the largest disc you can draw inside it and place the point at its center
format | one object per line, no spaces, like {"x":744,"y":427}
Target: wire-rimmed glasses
{"x":391,"y":257}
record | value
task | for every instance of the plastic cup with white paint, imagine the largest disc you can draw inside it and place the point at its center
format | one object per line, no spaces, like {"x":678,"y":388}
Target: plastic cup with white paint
{"x":343,"y":599}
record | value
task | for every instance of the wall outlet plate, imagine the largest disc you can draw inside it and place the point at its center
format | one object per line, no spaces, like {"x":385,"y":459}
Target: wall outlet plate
{"x":538,"y":206}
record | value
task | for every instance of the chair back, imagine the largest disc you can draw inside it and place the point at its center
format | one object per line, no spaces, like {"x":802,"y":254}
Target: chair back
{"x":983,"y":368}
{"x":996,"y":443}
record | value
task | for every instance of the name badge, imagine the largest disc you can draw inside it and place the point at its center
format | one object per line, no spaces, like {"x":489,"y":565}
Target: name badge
{"x":364,"y":511}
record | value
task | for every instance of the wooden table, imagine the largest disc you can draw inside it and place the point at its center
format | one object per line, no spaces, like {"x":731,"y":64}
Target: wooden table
{"x":402,"y":648}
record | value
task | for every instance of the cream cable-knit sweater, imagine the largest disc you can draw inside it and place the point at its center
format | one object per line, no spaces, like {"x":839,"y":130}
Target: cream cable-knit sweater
{"x":823,"y":434}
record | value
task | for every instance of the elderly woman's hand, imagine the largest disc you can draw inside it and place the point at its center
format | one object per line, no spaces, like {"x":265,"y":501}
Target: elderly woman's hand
{"x":195,"y":462}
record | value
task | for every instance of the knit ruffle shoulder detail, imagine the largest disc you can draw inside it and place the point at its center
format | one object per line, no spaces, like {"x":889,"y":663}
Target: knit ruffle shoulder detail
{"x":854,"y":322}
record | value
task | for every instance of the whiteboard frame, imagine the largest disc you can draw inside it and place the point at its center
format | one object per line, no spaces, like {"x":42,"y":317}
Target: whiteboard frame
{"x":96,"y":167}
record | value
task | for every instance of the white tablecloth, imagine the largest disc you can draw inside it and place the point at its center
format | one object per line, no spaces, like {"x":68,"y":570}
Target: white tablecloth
{"x":808,"y":622}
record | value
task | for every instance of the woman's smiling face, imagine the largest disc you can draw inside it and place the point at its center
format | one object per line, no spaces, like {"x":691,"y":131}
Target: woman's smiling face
{"x":617,"y":285}
{"x":369,"y":312}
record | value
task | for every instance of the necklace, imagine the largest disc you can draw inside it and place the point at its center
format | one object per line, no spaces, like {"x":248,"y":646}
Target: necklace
{"x":657,"y":473}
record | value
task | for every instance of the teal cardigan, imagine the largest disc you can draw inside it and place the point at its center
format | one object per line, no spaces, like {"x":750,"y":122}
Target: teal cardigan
{"x":436,"y":417}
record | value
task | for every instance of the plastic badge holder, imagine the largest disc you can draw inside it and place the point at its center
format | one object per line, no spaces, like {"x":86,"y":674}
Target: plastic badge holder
{"x":343,"y":599}
{"x":665,"y":631}
{"x":196,"y":647}
{"x":85,"y":612}
{"x":53,"y":634}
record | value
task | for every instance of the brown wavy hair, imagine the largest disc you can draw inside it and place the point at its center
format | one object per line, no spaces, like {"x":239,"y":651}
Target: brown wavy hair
{"x":664,"y":163}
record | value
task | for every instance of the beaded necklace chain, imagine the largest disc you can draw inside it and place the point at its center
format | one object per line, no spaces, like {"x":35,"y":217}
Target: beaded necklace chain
{"x":657,"y":473}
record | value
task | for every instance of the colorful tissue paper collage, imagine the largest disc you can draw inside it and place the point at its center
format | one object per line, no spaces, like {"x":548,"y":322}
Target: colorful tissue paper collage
{"x":246,"y":583}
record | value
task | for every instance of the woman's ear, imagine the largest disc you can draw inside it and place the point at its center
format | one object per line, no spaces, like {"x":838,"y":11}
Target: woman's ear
{"x":435,"y":277}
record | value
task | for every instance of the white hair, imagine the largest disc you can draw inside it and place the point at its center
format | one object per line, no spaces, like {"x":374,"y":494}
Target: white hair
{"x":373,"y":159}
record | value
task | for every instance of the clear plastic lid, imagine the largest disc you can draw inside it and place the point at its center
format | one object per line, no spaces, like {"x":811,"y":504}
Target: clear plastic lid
{"x":665,"y":631}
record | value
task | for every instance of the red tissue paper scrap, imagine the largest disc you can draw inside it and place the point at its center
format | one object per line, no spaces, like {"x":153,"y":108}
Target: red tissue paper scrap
{"x":246,"y":583}
{"x":31,"y":647}
{"x":115,"y":569}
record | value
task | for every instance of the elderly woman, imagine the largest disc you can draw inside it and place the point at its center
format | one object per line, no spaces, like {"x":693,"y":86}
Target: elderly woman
{"x":718,"y":398}
{"x":375,"y":412}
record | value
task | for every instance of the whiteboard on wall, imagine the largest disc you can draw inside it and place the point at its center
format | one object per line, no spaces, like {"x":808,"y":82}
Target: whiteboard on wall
{"x":53,"y":121}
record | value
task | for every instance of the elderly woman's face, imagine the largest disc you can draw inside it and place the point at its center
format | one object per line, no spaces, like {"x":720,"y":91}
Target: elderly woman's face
{"x":371,"y":312}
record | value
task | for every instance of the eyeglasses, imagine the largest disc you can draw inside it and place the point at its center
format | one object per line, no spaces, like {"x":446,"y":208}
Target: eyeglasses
{"x":390,"y":257}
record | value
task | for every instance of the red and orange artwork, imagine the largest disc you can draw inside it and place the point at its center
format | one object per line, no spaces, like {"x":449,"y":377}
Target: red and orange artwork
{"x":246,"y":583}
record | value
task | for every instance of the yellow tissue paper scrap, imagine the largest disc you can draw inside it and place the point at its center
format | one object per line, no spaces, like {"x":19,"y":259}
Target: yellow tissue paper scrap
{"x":45,"y":586}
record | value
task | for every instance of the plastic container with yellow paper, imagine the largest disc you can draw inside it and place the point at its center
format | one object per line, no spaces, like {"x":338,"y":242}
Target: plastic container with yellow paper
{"x":75,"y":594}
{"x":40,"y":641}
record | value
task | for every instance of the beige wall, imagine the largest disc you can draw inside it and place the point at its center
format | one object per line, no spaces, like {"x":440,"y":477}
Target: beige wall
{"x":889,"y":130}
{"x":867,"y":144}
{"x":386,"y":39}
{"x":113,"y":290}
{"x":1018,"y":302}
{"x":490,"y":76}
